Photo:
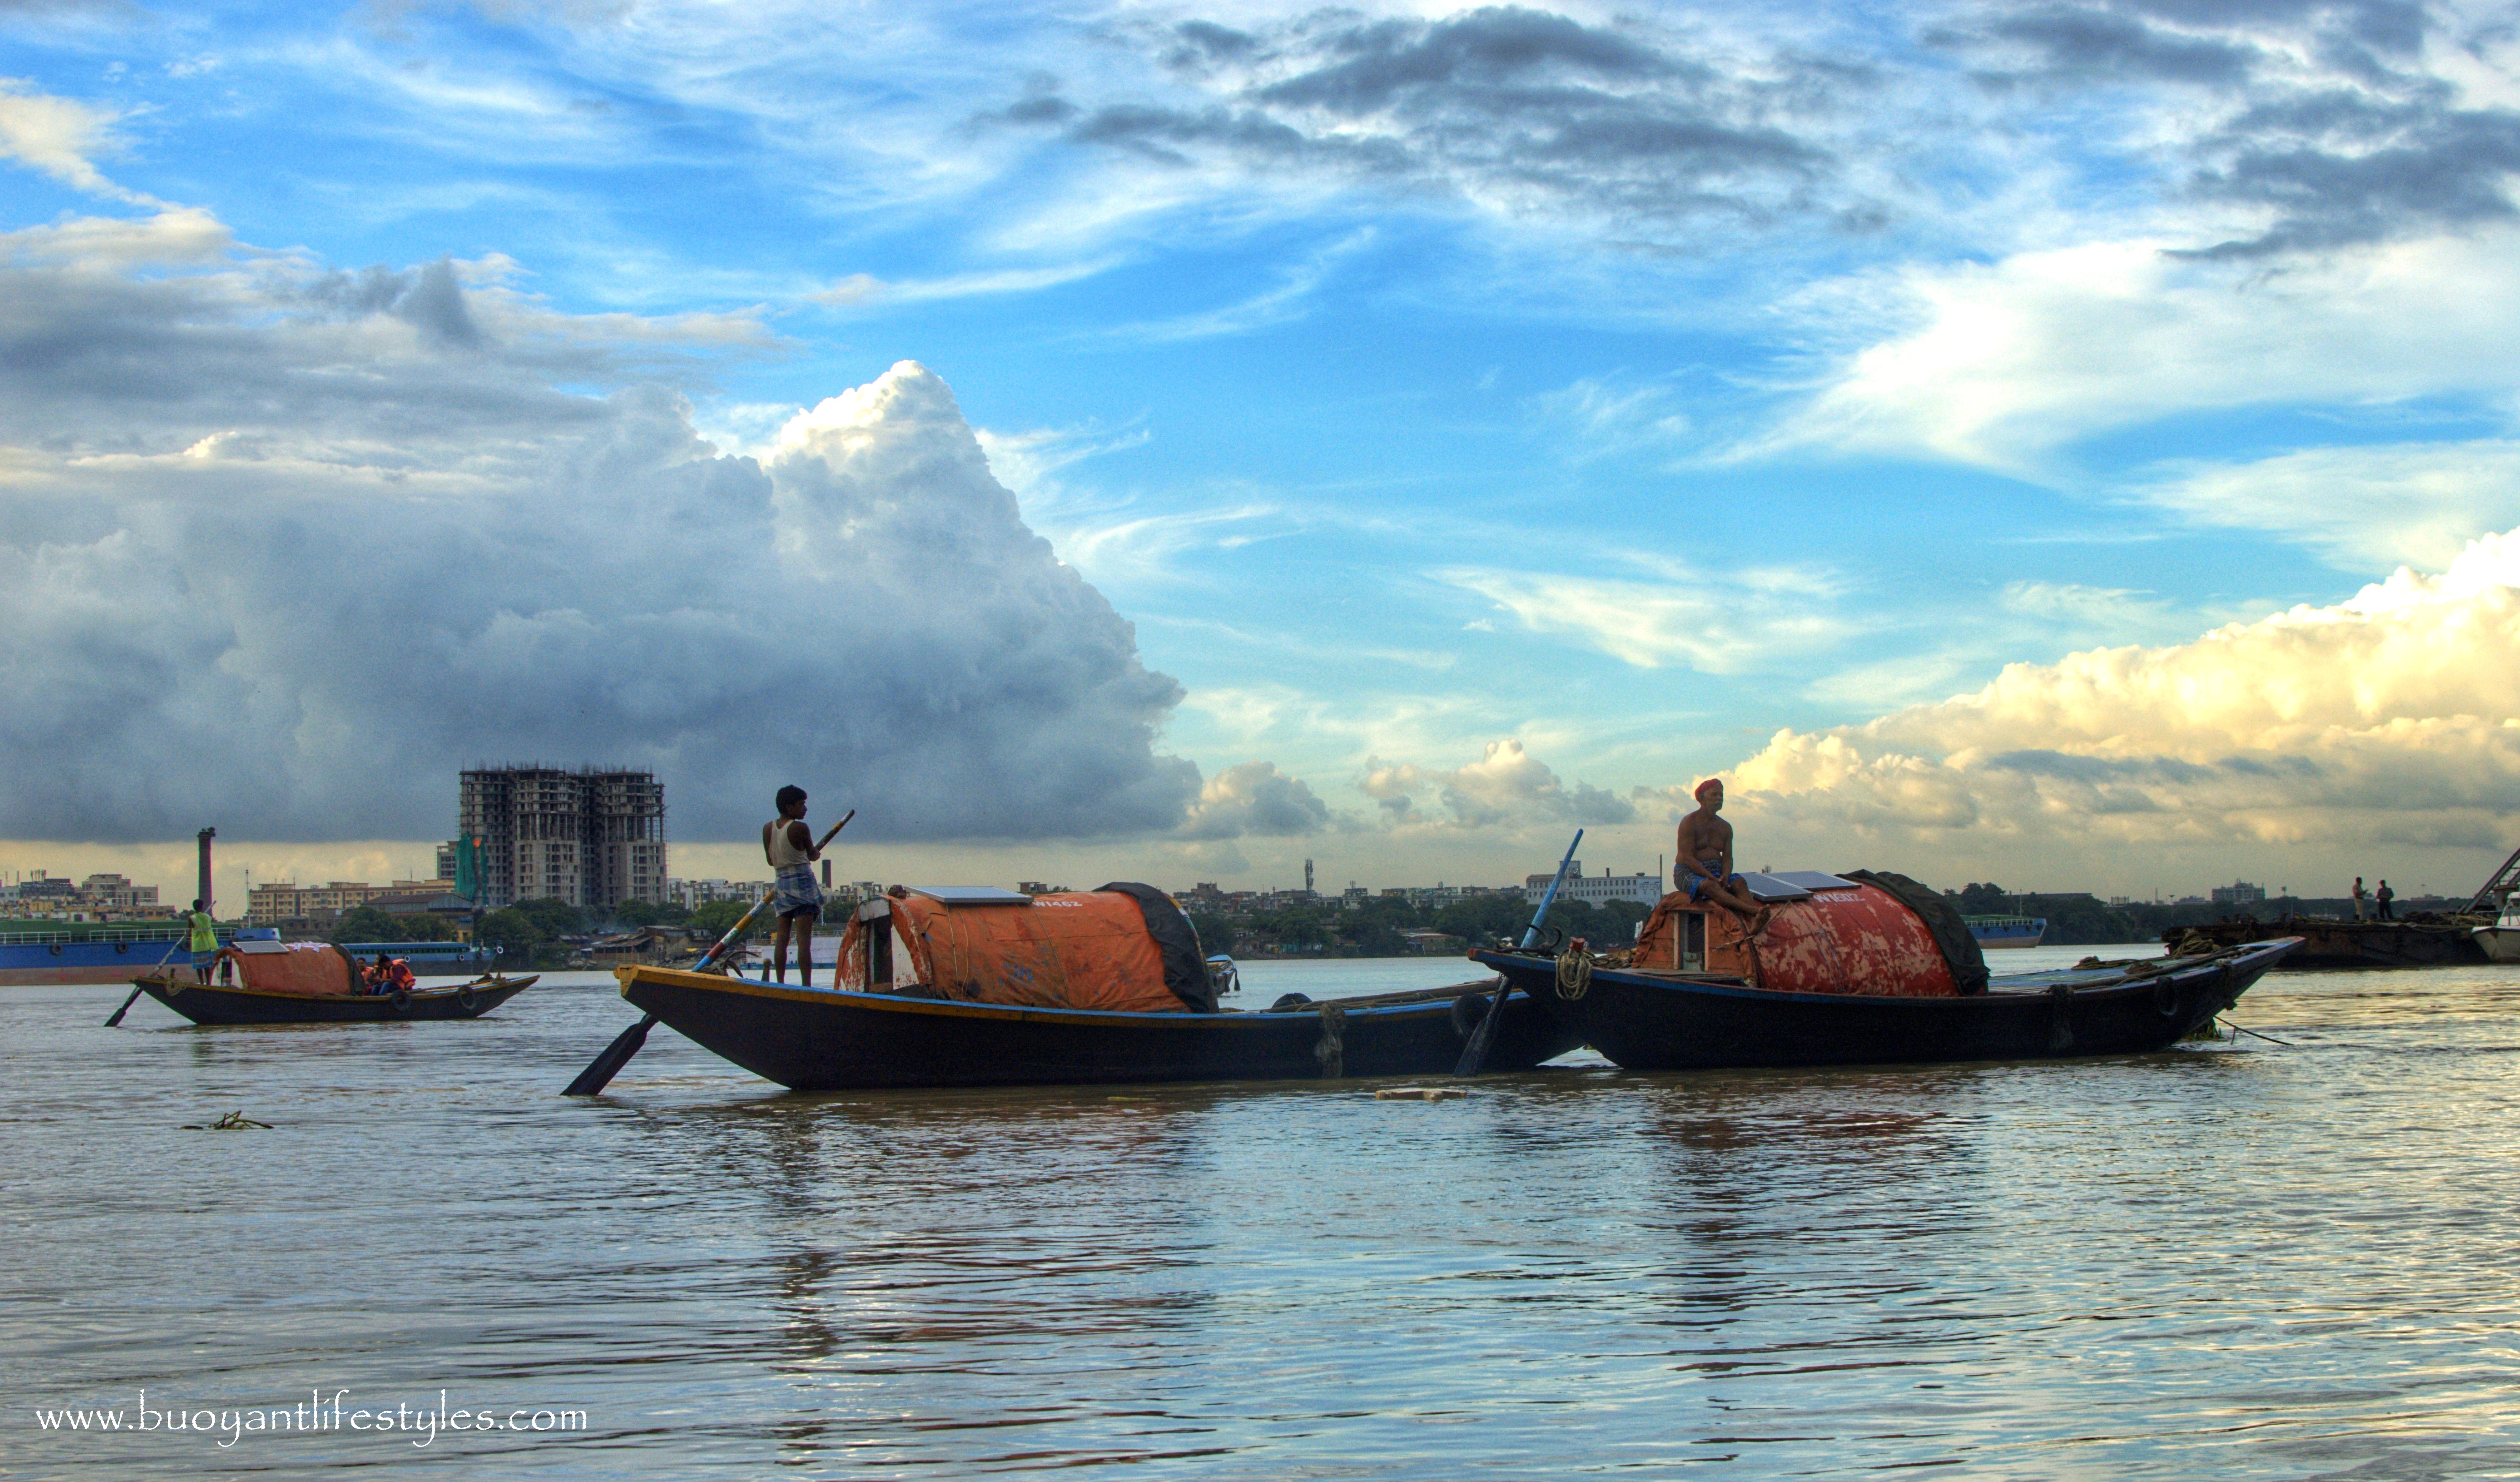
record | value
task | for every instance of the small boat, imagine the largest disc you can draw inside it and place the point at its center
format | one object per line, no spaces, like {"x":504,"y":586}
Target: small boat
{"x":214,"y":1003}
{"x":2501,"y":942}
{"x":2006,"y":930}
{"x":1222,"y":975}
{"x":314,"y":983}
{"x":1866,"y":969}
{"x":971,"y":986}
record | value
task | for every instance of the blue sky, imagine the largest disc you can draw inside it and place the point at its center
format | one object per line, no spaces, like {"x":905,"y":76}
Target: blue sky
{"x":1477,"y":422}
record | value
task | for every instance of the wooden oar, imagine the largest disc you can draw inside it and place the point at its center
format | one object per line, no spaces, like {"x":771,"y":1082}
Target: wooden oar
{"x":136,"y":989}
{"x":601,"y":1070}
{"x":1474,"y":1055}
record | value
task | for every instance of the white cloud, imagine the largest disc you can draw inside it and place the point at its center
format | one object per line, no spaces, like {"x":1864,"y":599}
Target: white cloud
{"x":2404,"y":502}
{"x":867,"y":289}
{"x":2004,"y":364}
{"x":2389,"y":719}
{"x":1506,"y":788}
{"x":1718,"y":623}
{"x":284,"y":548}
{"x":1254,"y":798}
{"x":58,"y":136}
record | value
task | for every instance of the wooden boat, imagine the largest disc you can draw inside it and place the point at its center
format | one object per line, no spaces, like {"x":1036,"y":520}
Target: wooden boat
{"x":1650,"y":1018}
{"x":217,"y":1004}
{"x":822,"y":1038}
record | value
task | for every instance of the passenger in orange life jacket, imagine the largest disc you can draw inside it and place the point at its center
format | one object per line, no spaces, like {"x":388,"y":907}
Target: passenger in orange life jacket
{"x":391,"y":973}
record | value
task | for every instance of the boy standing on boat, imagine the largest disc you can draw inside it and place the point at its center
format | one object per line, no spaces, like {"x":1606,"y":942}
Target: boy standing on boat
{"x":796,"y":897}
{"x":1706,"y":859}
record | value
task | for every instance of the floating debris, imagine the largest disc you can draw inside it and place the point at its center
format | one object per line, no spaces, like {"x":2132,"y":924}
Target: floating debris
{"x":1418,"y":1094}
{"x":234,"y":1121}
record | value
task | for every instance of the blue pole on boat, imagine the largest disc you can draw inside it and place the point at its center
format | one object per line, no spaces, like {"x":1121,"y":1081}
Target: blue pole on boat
{"x":1549,"y":897}
{"x":1474,"y":1055}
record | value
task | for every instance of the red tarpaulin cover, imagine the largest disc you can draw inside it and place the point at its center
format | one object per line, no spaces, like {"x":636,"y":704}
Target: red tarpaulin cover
{"x":1862,"y":940}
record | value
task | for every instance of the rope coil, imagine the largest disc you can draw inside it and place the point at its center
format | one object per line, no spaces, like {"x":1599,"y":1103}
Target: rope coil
{"x":1574,"y":975}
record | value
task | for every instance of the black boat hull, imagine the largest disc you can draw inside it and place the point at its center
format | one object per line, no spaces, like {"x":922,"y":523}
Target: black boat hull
{"x":817,"y":1040}
{"x":211,"y":1004}
{"x":1648,"y":1021}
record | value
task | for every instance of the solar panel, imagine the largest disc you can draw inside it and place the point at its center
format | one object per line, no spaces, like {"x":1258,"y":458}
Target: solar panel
{"x":1812,"y":879}
{"x":1771,"y":887}
{"x":972,"y":895}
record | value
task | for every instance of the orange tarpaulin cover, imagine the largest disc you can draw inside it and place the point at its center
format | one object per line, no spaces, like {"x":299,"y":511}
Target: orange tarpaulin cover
{"x":1075,"y":950}
{"x":316,"y":969}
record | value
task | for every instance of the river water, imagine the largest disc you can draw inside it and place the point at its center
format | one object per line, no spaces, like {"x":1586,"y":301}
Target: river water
{"x":2243,"y":1259}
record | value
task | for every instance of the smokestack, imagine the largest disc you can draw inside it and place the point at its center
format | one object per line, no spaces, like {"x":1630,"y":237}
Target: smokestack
{"x":207,"y":904}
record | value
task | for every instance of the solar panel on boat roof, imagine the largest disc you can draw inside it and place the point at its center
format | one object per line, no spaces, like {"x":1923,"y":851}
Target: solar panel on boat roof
{"x":972,"y":895}
{"x":1812,"y":879}
{"x":1771,"y":887}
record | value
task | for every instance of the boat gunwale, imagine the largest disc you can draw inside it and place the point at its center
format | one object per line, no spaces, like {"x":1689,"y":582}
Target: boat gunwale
{"x":2275,"y":947}
{"x":740,"y":987}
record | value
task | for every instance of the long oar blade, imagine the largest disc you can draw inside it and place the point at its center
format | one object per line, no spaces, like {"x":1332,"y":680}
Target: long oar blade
{"x":1474,"y":1055}
{"x":125,"y":1008}
{"x":601,"y":1070}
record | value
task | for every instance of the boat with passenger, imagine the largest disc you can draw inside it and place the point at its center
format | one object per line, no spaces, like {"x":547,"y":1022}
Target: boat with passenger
{"x":267,"y":981}
{"x":1862,"y":967}
{"x":976,"y":986}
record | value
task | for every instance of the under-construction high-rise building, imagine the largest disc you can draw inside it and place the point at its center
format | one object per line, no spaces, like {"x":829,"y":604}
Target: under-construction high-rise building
{"x":594,"y":837}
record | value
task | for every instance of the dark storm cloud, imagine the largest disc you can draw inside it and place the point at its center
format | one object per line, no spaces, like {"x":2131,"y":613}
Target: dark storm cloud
{"x":2090,"y":44}
{"x":2329,"y":133}
{"x":2340,"y":169}
{"x":1525,"y":105}
{"x":283,"y":550}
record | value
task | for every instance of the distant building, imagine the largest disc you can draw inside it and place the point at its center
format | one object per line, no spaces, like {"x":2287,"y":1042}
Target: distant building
{"x":96,"y":898}
{"x":593,"y":837}
{"x":1595,"y":889}
{"x":2237,"y":893}
{"x":278,"y":901}
{"x":113,"y":892}
{"x":691,"y":895}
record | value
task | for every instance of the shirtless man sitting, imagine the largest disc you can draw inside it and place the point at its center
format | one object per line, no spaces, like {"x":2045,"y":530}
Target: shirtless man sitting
{"x":1706,"y":859}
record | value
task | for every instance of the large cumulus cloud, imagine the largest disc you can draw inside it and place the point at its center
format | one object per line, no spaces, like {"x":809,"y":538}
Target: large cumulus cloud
{"x":282,"y":548}
{"x":2389,"y":719}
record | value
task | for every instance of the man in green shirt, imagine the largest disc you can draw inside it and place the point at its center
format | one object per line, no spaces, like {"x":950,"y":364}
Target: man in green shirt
{"x":205,"y":943}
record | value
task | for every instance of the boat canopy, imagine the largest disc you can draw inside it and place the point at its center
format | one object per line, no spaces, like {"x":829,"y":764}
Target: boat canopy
{"x":315,"y":969}
{"x":1125,"y":947}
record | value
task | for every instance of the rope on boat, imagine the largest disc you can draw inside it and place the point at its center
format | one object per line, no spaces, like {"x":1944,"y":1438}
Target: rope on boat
{"x":1332,"y":1048}
{"x":1574,"y":975}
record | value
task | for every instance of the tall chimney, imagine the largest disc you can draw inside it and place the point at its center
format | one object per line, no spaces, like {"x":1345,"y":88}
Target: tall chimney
{"x":207,"y":904}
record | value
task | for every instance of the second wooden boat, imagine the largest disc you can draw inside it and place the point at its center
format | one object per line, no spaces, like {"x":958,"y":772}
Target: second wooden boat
{"x":217,"y":1003}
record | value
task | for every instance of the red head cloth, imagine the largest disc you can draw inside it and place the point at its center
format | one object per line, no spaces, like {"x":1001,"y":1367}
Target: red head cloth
{"x":1714,"y":783}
